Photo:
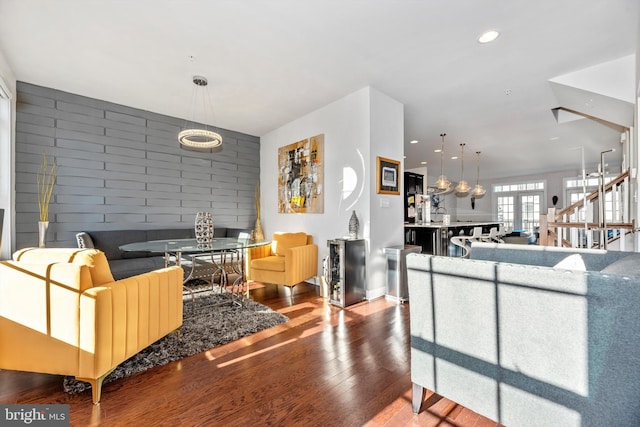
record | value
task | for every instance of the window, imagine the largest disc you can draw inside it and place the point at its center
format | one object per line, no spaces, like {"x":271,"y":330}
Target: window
{"x":519,"y":205}
{"x":505,"y":210}
{"x":6,"y":169}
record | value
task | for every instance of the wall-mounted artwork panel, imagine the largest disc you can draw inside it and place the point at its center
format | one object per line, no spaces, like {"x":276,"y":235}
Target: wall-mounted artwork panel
{"x":301,"y":176}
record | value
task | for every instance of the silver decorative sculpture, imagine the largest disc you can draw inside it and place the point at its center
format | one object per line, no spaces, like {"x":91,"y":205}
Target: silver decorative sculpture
{"x":204,"y":228}
{"x":354,"y":226}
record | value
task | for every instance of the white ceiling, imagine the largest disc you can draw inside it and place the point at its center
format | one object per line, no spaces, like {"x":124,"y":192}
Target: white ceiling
{"x":270,"y":62}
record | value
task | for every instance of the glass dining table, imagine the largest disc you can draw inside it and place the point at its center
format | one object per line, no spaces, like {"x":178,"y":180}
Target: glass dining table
{"x":223,"y":255}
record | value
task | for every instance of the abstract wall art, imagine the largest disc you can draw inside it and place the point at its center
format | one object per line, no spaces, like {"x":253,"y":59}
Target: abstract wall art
{"x":301,"y":176}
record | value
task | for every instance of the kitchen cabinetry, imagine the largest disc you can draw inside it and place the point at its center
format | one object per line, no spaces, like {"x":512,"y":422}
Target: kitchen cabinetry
{"x":413,"y":184}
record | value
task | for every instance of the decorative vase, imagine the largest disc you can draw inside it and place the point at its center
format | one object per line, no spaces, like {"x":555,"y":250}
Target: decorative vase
{"x":42,"y":233}
{"x":204,"y":228}
{"x":257,"y":231}
{"x":354,"y":226}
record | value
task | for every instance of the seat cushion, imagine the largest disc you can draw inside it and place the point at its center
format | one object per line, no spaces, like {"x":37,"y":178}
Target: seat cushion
{"x":283,"y":241}
{"x":271,"y":263}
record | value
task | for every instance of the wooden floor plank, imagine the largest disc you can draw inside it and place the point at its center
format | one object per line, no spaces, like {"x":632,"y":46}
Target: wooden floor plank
{"x":324,"y":367}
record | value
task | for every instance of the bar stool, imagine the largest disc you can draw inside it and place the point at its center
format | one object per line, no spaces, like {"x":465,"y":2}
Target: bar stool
{"x":477,"y":235}
{"x":461,"y":241}
{"x":492,"y":236}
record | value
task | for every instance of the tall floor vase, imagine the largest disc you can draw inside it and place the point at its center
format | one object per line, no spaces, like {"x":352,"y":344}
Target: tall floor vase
{"x":258,"y":234}
{"x":43,"y":226}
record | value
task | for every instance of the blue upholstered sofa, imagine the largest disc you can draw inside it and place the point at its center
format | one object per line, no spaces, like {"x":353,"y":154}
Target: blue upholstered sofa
{"x":127,"y":264}
{"x":529,"y":335}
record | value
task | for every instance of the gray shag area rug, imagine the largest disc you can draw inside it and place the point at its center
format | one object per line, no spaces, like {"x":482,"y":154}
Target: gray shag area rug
{"x":205,"y":327}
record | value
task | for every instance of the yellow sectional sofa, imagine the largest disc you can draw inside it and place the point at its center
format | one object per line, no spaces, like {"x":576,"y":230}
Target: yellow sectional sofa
{"x":61,"y":312}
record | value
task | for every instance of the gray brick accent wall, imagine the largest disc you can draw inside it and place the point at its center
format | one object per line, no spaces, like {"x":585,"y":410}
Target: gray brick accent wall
{"x":122,"y":168}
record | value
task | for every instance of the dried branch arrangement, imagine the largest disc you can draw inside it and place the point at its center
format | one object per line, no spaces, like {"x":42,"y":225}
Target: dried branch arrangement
{"x":46,"y":180}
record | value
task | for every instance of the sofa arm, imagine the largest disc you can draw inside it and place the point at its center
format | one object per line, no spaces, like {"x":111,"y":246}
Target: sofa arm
{"x":301,"y":263}
{"x":119,"y":319}
{"x":256,"y":253}
{"x":39,"y":316}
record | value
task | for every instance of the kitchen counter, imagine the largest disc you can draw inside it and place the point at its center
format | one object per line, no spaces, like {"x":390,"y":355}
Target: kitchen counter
{"x":457,"y":224}
{"x":435,"y":237}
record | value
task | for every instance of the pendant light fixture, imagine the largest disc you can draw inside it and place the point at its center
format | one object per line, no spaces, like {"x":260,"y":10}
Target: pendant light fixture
{"x":200,"y":138}
{"x":462,"y":189}
{"x":443,"y":185}
{"x":478,"y":191}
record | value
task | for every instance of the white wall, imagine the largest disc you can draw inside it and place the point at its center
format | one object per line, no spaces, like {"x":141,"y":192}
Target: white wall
{"x":356,"y":129}
{"x":422,"y":170}
{"x":387,"y":211}
{"x":7,"y":136}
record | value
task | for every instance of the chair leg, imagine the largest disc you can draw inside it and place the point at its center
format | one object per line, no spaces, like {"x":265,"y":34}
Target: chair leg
{"x":96,"y":385}
{"x":417,"y":394}
{"x":291,"y":294}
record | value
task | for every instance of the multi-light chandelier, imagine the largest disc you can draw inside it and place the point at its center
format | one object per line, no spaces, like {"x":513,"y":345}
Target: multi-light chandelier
{"x":444,"y":186}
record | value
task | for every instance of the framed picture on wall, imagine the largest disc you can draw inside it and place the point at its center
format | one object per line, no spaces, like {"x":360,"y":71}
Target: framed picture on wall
{"x":387,"y":176}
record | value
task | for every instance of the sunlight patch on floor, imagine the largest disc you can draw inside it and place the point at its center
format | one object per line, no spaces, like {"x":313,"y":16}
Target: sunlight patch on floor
{"x":255,"y":353}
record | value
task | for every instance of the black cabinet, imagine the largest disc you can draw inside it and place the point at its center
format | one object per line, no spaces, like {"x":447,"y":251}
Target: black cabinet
{"x":347,"y":271}
{"x":413,"y":184}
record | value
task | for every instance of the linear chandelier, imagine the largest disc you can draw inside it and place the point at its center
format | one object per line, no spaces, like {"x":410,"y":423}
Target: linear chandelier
{"x":200,"y":138}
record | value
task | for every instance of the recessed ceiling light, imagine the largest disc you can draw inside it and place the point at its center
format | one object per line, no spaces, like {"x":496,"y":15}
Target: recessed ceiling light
{"x":488,"y":36}
{"x":415,"y":141}
{"x":423,"y":163}
{"x":454,"y":158}
{"x":437,"y":150}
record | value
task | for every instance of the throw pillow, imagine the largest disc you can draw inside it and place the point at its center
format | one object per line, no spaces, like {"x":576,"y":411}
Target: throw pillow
{"x":627,"y":266}
{"x":572,"y":262}
{"x":84,"y":240}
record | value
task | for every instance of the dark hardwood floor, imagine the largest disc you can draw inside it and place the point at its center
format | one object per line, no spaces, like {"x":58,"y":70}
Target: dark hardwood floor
{"x":324,"y":367}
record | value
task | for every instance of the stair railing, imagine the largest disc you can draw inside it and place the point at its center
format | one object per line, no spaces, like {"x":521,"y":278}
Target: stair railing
{"x":558,"y":229}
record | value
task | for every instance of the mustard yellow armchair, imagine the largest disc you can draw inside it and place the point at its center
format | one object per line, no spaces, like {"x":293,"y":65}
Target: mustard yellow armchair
{"x":61,"y":312}
{"x":290,"y":259}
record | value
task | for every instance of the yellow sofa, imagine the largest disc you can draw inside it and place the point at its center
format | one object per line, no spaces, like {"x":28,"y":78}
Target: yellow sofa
{"x":61,"y":312}
{"x":290,"y":259}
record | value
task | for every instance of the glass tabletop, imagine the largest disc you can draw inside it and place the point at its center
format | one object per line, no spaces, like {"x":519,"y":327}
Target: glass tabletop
{"x":219,"y":244}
